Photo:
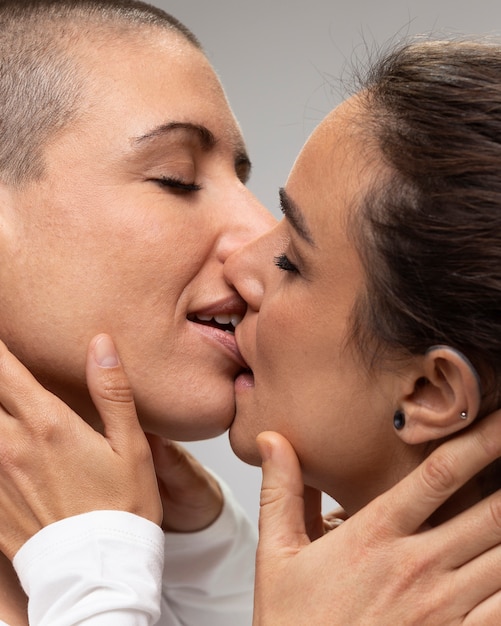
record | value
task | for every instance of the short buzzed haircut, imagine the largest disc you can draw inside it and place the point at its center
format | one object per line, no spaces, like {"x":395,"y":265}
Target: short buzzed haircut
{"x":41,"y":83}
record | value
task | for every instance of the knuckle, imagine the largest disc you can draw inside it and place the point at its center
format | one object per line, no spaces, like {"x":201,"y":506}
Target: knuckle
{"x":495,"y":511}
{"x":116,"y":388}
{"x":437,"y":473}
{"x":272,"y":495}
{"x":48,"y":425}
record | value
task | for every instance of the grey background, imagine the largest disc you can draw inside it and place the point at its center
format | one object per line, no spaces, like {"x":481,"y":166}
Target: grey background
{"x":273,"y":57}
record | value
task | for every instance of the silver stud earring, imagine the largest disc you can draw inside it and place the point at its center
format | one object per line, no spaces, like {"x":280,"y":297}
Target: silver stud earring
{"x":463,"y":415}
{"x":399,"y":419}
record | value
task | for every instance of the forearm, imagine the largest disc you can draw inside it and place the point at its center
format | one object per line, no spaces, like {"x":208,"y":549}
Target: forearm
{"x":96,"y":569}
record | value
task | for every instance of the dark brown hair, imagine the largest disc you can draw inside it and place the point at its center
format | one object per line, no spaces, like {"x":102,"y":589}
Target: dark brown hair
{"x":429,"y":228}
{"x":41,"y":83}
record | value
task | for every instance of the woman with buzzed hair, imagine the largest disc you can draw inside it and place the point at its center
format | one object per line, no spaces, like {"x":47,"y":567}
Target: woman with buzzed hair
{"x":122,"y":176}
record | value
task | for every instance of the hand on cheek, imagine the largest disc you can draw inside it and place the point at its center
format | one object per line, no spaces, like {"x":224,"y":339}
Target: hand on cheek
{"x":54,"y":465}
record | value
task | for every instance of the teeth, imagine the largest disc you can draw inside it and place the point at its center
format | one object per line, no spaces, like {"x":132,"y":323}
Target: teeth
{"x":222,"y":319}
{"x":236,"y":319}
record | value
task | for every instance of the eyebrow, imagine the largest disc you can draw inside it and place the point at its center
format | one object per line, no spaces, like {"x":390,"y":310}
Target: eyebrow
{"x":206,"y":138}
{"x":295,"y":216}
{"x":204,"y":135}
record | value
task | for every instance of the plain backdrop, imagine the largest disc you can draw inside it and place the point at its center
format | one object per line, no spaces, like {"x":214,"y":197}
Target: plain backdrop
{"x":283,"y":64}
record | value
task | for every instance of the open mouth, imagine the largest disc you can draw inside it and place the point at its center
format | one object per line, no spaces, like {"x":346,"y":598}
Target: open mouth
{"x":224,"y":322}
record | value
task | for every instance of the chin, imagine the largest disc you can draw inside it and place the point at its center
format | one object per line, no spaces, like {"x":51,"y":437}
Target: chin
{"x":185,"y":423}
{"x":187,"y":427}
{"x":244,"y":446}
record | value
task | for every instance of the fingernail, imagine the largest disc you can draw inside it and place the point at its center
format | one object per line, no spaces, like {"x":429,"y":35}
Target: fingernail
{"x":105,"y":353}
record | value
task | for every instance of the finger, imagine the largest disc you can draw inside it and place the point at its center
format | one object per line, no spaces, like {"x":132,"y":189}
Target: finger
{"x":336,"y":514}
{"x":175,"y":466}
{"x":470,"y":535}
{"x":191,"y":496}
{"x":487,"y":613}
{"x":281,"y":515}
{"x":333,"y":519}
{"x":112,"y":395}
{"x":20,"y":392}
{"x":410,"y":503}
{"x":478,"y":581}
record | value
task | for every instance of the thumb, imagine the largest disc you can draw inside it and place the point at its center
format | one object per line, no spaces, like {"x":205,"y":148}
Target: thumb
{"x":281,"y":517}
{"x":112,"y":395}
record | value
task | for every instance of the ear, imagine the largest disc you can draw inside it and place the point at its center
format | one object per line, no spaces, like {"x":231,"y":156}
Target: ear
{"x":447,"y":388}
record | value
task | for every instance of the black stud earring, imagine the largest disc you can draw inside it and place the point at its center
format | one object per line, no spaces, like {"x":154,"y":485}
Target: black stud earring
{"x":399,"y":419}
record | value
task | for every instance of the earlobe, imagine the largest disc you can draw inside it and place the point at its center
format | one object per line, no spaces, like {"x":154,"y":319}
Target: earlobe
{"x":445,"y":397}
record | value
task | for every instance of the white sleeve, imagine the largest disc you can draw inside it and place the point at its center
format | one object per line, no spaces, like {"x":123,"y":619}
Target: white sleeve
{"x":105,"y":567}
{"x":209,"y":575}
{"x":95,"y":569}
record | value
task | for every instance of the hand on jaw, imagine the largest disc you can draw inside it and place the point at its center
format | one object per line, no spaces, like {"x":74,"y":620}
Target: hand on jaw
{"x":380,"y":564}
{"x":375,"y":568}
{"x":54,"y":465}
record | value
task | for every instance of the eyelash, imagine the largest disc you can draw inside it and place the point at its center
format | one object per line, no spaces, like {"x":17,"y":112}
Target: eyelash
{"x":177,"y":184}
{"x":283,"y":263}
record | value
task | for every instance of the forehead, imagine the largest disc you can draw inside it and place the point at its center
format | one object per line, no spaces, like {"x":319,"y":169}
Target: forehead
{"x":332,"y":172}
{"x":134,"y":82}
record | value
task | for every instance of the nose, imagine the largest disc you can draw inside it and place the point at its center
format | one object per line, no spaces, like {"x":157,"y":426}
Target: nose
{"x":246,"y":269}
{"x":245,"y":220}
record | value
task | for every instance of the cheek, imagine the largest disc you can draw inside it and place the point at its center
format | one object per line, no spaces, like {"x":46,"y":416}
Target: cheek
{"x":306,"y":374}
{"x":294,"y":345}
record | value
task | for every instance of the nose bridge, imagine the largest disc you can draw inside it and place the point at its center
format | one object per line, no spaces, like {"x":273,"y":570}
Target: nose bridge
{"x":244,"y":219}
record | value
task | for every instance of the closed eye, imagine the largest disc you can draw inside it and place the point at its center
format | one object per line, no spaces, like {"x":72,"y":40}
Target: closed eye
{"x":177,"y":184}
{"x":283,"y":262}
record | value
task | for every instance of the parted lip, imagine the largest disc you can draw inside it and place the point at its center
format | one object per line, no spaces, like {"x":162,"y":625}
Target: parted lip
{"x":207,"y":318}
{"x":231,"y":305}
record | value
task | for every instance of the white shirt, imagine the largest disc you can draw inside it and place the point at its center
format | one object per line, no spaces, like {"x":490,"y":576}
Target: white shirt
{"x":113,"y":568}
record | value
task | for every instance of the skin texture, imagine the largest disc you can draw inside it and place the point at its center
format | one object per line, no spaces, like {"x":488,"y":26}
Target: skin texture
{"x":369,"y":552}
{"x":375,"y":568}
{"x":384,"y":565}
{"x":309,"y":382}
{"x":101,"y":243}
{"x":130,"y":255}
{"x":292,"y":389}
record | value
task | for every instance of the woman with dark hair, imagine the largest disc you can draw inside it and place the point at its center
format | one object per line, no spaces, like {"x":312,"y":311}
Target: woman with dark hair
{"x":384,"y":279}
